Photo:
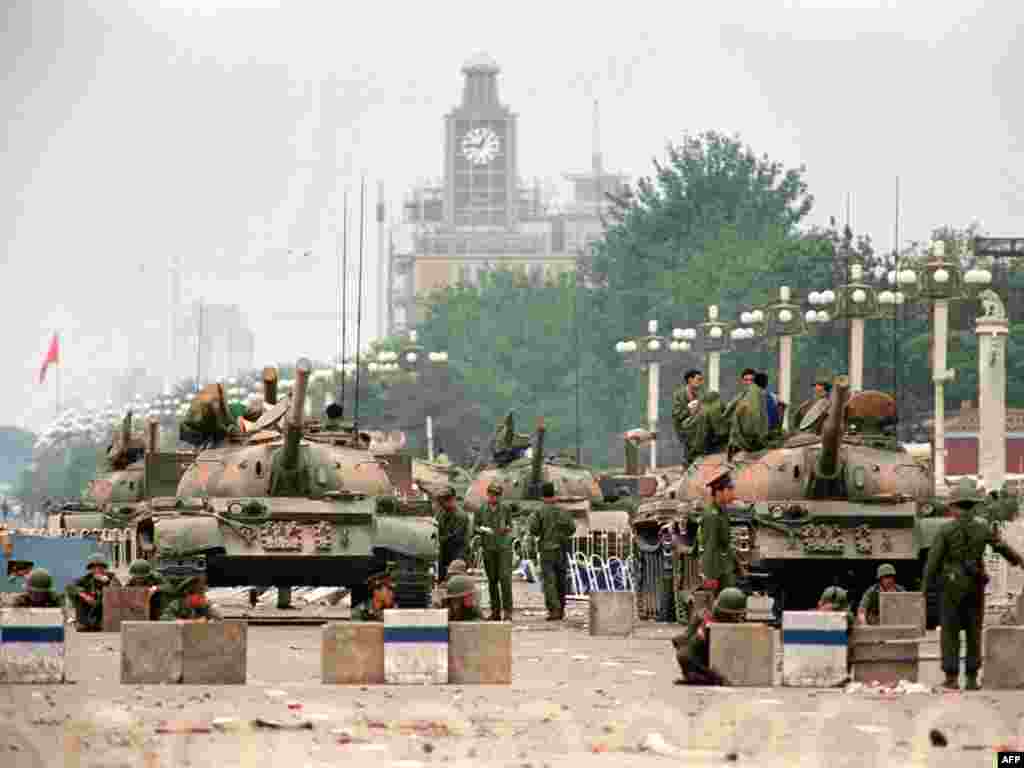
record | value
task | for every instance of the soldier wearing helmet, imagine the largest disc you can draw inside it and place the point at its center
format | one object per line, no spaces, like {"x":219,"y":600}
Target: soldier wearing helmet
{"x":460,"y":597}
{"x":140,"y":574}
{"x":86,"y":594}
{"x":190,"y":602}
{"x":718,"y":559}
{"x":693,"y":650}
{"x":452,"y":532}
{"x":39,"y":592}
{"x":870,"y":603}
{"x":494,"y":522}
{"x":455,"y":568}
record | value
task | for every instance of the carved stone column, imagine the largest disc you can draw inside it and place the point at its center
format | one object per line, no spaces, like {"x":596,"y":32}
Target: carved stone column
{"x":992,"y":328}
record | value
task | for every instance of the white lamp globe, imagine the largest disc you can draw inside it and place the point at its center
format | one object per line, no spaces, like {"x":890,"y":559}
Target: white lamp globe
{"x":941,"y":276}
{"x":715,"y":333}
{"x":859,"y":296}
{"x":653,"y":345}
{"x":785,"y":316}
{"x":811,"y":316}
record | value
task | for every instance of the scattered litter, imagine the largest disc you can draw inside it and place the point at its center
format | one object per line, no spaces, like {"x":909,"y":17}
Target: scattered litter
{"x":296,"y":648}
{"x":276,"y":725}
{"x":580,"y":657}
{"x":224,"y":722}
{"x":973,"y":747}
{"x":937,"y":738}
{"x":643,"y":672}
{"x":872,"y":728}
{"x":901,"y":688}
{"x":656,"y":743}
{"x":276,"y":694}
{"x":294,"y":705}
{"x":182,"y":726}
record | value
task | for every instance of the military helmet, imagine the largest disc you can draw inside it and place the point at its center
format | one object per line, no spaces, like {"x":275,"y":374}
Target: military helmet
{"x":837,"y":597}
{"x":459,"y":585}
{"x":457,"y":567}
{"x":96,"y":559}
{"x":886,"y":569}
{"x":966,"y":494}
{"x":140,"y":568}
{"x":731,"y":601}
{"x":39,"y":581}
{"x":495,"y":489}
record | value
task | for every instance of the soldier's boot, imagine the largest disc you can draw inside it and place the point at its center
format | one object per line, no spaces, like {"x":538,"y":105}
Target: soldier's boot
{"x":952,"y":682}
{"x":972,"y":682}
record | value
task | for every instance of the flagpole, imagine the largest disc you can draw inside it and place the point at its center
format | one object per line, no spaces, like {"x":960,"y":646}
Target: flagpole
{"x":57,"y":361}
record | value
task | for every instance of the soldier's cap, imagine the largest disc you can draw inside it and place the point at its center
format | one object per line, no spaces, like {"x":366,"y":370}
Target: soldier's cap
{"x":39,"y":581}
{"x":966,"y":495}
{"x":731,"y":602}
{"x":96,"y":559}
{"x":458,"y":586}
{"x":886,"y":569}
{"x":140,"y":567}
{"x":495,"y":489}
{"x":457,"y":567}
{"x":548,"y":490}
{"x":835,"y":595}
{"x":721,"y":479}
{"x":378,"y":580}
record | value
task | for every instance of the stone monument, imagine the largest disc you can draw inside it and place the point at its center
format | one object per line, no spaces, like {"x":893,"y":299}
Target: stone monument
{"x":992,"y":327}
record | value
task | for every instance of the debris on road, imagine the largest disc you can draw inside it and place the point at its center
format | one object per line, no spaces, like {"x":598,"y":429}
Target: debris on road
{"x":901,"y":688}
{"x":276,"y":725}
{"x":182,"y":726}
{"x":937,"y":738}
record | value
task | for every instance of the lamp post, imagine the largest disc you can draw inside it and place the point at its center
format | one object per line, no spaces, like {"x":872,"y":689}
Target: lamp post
{"x":715,"y":337}
{"x":649,"y":351}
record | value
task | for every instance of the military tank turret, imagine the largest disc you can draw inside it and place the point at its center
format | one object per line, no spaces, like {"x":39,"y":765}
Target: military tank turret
{"x":288,"y":503}
{"x":825,"y":509}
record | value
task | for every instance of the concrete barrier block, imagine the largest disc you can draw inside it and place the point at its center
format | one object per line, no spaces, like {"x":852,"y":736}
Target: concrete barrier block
{"x":814,"y":648}
{"x":32,"y":645}
{"x":480,"y":652}
{"x":869,"y":635}
{"x":215,"y":652}
{"x":1004,"y":658}
{"x":416,"y":646}
{"x":124,"y":604}
{"x":886,"y":662}
{"x":612,"y":613}
{"x":744,"y":653}
{"x":902,"y":609}
{"x":151,"y":652}
{"x":352,"y":653}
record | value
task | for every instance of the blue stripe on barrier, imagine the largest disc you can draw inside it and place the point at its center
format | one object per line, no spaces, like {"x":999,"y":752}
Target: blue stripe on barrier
{"x":16,"y":633}
{"x":415,"y":634}
{"x":813,"y":637}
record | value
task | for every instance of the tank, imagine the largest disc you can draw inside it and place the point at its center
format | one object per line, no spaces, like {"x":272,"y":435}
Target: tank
{"x":289,"y":502}
{"x":824,"y":509}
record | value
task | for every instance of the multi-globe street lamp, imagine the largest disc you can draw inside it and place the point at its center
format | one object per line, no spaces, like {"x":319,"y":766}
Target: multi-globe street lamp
{"x":714,"y":336}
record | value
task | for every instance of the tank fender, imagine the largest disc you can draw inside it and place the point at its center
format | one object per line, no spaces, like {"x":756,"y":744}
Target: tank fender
{"x":186,"y":535}
{"x":409,"y":536}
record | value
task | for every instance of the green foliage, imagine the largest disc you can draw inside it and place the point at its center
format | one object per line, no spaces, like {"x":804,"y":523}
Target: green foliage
{"x":15,"y":452}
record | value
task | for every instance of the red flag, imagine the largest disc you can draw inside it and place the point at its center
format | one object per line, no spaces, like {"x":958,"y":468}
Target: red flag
{"x":52,"y":356}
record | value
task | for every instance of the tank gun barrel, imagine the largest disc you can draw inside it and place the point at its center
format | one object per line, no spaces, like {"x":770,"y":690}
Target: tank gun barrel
{"x":537,"y":463}
{"x":270,"y":385}
{"x":832,"y":431}
{"x":152,"y":435}
{"x":126,"y":431}
{"x":296,"y":417}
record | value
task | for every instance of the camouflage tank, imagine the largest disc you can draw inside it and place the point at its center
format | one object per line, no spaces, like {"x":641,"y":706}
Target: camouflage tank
{"x":288,"y":503}
{"x":825,"y":508}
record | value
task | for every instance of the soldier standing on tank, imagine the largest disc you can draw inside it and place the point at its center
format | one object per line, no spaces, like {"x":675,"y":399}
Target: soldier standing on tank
{"x":553,"y":529}
{"x":956,"y":555}
{"x":190,"y":602}
{"x":495,"y":529}
{"x":685,"y":403}
{"x":822,"y":389}
{"x":460,"y":599}
{"x":39,"y":592}
{"x":693,"y":650}
{"x":718,"y":559}
{"x":382,"y":598}
{"x":869,"y":611}
{"x":452,"y":532}
{"x":86,"y":594}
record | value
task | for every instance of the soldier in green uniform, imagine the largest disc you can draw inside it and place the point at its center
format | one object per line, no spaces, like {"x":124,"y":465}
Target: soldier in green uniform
{"x":956,"y":555}
{"x":460,"y":598}
{"x":686,"y":403}
{"x":822,"y":388}
{"x":870,"y":603}
{"x":452,"y":532}
{"x":749,"y":427}
{"x":140,"y":574}
{"x":189,"y":602}
{"x":86,"y":594}
{"x":495,"y":527}
{"x":553,"y":529}
{"x":693,"y":650}
{"x":718,"y":559}
{"x":455,"y":568}
{"x":837,"y":600}
{"x":39,"y":592}
{"x":382,"y":597}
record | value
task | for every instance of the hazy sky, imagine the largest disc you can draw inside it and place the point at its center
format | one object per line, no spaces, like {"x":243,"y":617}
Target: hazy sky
{"x":224,"y":133}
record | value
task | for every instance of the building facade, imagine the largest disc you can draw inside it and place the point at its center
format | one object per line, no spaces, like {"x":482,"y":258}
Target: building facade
{"x":481,"y":215}
{"x":962,"y":441}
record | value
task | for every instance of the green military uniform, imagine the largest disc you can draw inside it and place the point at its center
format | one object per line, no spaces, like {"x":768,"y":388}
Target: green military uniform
{"x":497,"y":550}
{"x":189,"y":602}
{"x":705,"y":431}
{"x":90,"y":617}
{"x":39,"y":592}
{"x":749,"y":430}
{"x":693,"y":651}
{"x":452,"y":534}
{"x":456,"y":588}
{"x":681,"y":415}
{"x":140,"y":574}
{"x":718,"y":558}
{"x":870,"y":602}
{"x":554,"y":528}
{"x":956,"y":555}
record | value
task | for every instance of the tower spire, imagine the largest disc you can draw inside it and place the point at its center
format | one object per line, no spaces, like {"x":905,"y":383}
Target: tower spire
{"x":596,"y":139}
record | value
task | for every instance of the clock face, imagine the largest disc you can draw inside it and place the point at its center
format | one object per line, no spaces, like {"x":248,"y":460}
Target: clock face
{"x":480,"y":146}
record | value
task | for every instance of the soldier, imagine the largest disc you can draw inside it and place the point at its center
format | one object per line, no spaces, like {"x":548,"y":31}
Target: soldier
{"x":685,"y":403}
{"x":837,"y":600}
{"x":39,"y":592}
{"x":455,"y":568}
{"x":693,"y":651}
{"x":452,"y":532}
{"x":553,"y":529}
{"x":86,"y":594}
{"x":718,"y":559}
{"x":956,"y":555}
{"x":495,"y":528}
{"x":140,"y":574}
{"x":509,"y":445}
{"x":749,"y":428}
{"x":771,"y":402}
{"x":822,"y":389}
{"x":460,"y":597}
{"x":869,"y":610}
{"x":190,"y":602}
{"x":382,"y":597}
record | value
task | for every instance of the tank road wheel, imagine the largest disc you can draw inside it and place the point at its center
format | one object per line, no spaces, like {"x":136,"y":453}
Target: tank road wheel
{"x":413,"y":582}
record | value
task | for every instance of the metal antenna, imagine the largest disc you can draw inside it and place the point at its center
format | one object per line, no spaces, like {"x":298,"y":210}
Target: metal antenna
{"x":343,"y":288}
{"x":359,"y":295}
{"x":897,"y":323}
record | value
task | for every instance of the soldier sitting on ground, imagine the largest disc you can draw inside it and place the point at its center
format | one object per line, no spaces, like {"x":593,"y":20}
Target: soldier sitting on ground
{"x":86,"y":594}
{"x":190,"y":602}
{"x":455,"y":568}
{"x":460,"y":597}
{"x":39,"y":592}
{"x":140,"y":574}
{"x":837,"y":600}
{"x":382,"y":597}
{"x":869,"y":611}
{"x":693,"y":650}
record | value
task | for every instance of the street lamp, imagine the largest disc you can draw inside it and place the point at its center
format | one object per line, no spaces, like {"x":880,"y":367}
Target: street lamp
{"x":715,"y":337}
{"x":649,"y":351}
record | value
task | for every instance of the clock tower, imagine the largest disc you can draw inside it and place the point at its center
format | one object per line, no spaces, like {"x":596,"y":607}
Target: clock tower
{"x":480,"y":175}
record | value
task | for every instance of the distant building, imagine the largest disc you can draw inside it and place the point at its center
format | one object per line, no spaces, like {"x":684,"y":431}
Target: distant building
{"x":962,"y":440}
{"x":481,"y":214}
